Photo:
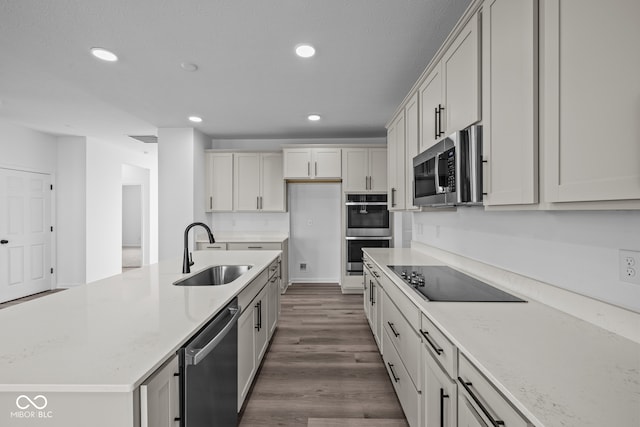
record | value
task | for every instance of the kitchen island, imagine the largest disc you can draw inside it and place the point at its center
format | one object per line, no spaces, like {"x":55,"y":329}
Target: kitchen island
{"x":80,"y":355}
{"x":553,"y":368}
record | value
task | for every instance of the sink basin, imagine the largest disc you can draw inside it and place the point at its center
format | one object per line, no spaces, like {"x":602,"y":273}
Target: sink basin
{"x":216,"y":275}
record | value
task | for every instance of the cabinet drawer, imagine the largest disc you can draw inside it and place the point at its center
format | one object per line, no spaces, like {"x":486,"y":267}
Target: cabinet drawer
{"x":274,"y":269}
{"x":408,"y":396}
{"x":440,"y":347}
{"x":212,"y":246}
{"x":480,"y":397}
{"x":254,"y":246}
{"x":404,"y":338}
{"x":249,"y":293}
{"x":404,"y":304}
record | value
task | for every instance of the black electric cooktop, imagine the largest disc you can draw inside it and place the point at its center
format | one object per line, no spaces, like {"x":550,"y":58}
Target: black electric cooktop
{"x":440,"y":283}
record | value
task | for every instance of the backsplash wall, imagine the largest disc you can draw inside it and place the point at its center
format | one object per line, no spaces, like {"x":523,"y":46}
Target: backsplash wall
{"x":574,"y":250}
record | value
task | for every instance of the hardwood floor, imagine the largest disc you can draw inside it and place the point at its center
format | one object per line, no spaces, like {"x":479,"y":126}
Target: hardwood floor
{"x":323,"y":368}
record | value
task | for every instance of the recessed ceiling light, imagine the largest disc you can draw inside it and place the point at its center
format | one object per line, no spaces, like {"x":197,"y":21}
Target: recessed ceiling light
{"x":305,"y":50}
{"x":104,"y":54}
{"x":313,"y":117}
{"x":189,"y":66}
{"x":195,"y":119}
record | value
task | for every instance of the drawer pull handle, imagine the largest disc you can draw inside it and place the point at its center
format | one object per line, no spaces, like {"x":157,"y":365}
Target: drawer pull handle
{"x":442,"y":397}
{"x":254,"y":247}
{"x":393,"y":329}
{"x":395,"y":377}
{"x":437,"y":349}
{"x":375,"y":273}
{"x":467,"y":386}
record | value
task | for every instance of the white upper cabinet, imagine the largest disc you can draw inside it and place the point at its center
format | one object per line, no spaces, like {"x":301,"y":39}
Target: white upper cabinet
{"x":590,"y":100}
{"x":258,"y":182}
{"x":364,"y":169}
{"x":402,"y":145}
{"x":396,"y":158}
{"x":411,"y":146}
{"x":312,"y":163}
{"x":431,"y":108}
{"x":450,"y":94}
{"x":461,"y":73}
{"x":510,"y":101}
{"x":219,"y":176}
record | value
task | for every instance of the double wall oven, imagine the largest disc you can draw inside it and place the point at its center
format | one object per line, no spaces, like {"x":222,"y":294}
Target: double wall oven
{"x":367,"y":226}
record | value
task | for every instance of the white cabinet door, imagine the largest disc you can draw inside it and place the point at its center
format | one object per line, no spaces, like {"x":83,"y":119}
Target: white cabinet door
{"x":377,"y":169}
{"x":366,"y":295}
{"x":326,"y":163}
{"x":395,"y":158}
{"x":411,"y":147}
{"x":439,"y":394}
{"x":272,"y":183}
{"x":297,"y":163}
{"x":260,"y":305}
{"x":247,"y":181}
{"x":273,"y":304}
{"x":247,"y":366}
{"x":467,"y":415}
{"x":160,"y":397}
{"x":431,"y":104}
{"x":461,"y":73}
{"x":591,"y":92}
{"x":355,"y":168}
{"x":510,"y":102}
{"x":219,"y":188}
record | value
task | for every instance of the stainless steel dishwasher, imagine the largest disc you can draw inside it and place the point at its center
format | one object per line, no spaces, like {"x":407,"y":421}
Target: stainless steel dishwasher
{"x":209,"y":373}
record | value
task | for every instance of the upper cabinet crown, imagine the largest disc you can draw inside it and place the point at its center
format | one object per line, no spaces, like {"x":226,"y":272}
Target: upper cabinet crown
{"x":302,"y":163}
{"x":364,"y":169}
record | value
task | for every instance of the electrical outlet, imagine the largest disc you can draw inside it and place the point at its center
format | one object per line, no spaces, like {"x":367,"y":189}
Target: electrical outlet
{"x":303,"y":266}
{"x":629,"y":266}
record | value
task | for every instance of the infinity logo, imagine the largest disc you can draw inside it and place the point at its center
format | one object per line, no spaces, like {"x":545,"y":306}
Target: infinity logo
{"x":22,"y":398}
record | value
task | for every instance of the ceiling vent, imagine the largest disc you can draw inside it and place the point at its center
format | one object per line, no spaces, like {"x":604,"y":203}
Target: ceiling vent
{"x":147,"y":139}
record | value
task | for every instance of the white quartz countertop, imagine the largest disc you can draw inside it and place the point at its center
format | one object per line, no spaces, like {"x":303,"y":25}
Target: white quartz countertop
{"x":556,"y":369}
{"x":109,"y":335}
{"x":244,"y":237}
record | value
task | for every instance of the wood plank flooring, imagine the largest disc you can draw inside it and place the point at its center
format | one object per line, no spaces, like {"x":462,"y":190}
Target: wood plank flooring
{"x":323,"y":368}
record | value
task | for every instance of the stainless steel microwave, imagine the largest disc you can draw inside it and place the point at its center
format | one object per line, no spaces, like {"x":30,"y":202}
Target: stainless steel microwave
{"x":450,"y":172}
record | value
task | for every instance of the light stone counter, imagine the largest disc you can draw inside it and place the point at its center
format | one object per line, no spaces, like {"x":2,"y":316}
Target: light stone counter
{"x":109,"y":335}
{"x":556,"y":369}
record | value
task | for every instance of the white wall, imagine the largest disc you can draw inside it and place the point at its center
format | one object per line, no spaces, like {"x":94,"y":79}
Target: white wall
{"x":181,"y":163}
{"x":573,"y":250}
{"x":249,"y":221}
{"x":26,"y":149}
{"x":132,"y":215}
{"x":315,"y":232}
{"x":104,"y":205}
{"x":71,"y":201}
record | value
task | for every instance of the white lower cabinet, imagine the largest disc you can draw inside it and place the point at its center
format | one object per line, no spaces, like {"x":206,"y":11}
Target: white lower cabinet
{"x":480,"y":404}
{"x":408,"y":396}
{"x":261,"y":307}
{"x":439,"y":394}
{"x":160,"y":397}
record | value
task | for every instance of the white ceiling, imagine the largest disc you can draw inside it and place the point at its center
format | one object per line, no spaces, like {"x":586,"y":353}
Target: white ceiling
{"x":249,"y":84}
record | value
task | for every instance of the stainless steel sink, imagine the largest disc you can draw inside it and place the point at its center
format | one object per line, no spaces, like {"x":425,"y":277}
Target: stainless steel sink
{"x":216,"y":275}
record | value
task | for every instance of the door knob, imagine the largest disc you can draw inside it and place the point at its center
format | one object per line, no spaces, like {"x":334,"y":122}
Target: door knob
{"x":3,"y":242}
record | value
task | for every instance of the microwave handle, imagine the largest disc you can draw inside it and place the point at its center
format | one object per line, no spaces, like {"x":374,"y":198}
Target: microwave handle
{"x":437,"y":173}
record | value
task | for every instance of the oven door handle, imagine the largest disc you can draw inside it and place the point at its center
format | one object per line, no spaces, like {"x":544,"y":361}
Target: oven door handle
{"x":366,"y":204}
{"x":193,"y":356}
{"x":368,"y":238}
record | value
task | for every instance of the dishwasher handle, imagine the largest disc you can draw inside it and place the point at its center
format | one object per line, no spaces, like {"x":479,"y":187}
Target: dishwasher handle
{"x":193,"y":356}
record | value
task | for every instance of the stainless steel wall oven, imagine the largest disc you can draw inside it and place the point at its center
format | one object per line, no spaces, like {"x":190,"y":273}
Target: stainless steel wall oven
{"x":368,"y":225}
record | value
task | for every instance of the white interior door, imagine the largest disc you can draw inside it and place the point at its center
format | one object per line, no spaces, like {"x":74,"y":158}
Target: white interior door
{"x":25,"y":233}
